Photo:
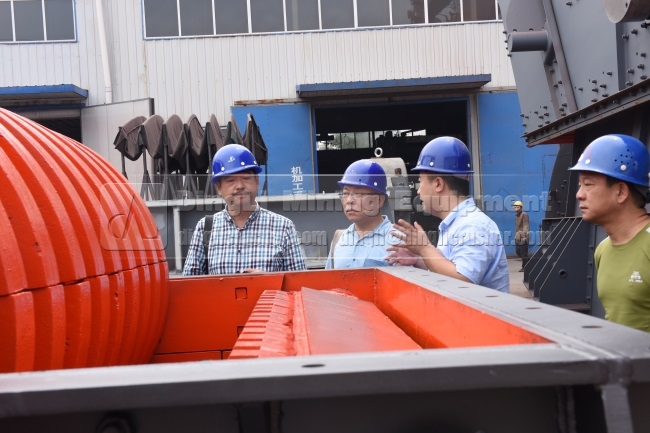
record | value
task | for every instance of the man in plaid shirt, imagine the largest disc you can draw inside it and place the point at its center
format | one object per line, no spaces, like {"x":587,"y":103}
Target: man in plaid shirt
{"x":244,"y":236}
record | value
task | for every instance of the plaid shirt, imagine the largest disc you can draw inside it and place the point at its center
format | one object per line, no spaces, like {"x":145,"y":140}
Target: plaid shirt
{"x":267,"y":242}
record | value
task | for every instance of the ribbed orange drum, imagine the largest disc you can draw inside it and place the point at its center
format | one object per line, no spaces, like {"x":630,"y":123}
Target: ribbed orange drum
{"x":83,"y":273}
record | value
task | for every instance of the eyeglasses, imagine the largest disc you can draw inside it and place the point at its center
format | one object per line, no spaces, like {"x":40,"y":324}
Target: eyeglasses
{"x":355,"y":195}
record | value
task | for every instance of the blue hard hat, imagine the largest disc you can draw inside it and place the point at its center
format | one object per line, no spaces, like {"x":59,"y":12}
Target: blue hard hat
{"x":445,"y":155}
{"x":365,"y":173}
{"x":618,"y":156}
{"x":231,"y":159}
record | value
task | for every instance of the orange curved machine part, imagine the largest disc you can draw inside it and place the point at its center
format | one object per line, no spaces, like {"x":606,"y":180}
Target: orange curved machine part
{"x":209,"y":316}
{"x":83,"y":278}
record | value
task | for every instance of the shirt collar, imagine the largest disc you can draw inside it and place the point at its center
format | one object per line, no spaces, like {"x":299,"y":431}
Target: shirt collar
{"x":250,"y":219}
{"x":386,"y":221}
{"x":462,"y":207}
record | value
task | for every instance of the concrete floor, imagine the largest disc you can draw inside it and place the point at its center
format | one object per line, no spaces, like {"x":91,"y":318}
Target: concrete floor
{"x":517,"y":278}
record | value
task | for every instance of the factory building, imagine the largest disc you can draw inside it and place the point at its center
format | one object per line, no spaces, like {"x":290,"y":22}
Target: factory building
{"x":326,"y":82}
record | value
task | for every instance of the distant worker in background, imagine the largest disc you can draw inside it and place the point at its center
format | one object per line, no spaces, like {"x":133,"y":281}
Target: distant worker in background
{"x":243,"y":237}
{"x":522,"y":231}
{"x":470,"y":247}
{"x":613,"y":192}
{"x":364,"y":242}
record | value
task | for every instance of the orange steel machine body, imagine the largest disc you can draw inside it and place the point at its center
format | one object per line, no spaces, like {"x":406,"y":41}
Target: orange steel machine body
{"x":207,"y":314}
{"x":369,"y":350}
{"x":94,"y":335}
{"x":82,"y":268}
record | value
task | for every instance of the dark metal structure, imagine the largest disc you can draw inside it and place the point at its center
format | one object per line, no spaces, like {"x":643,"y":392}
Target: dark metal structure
{"x":182,"y":153}
{"x":581,"y":69}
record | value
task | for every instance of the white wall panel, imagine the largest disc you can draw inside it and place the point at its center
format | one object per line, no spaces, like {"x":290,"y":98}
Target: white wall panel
{"x":98,"y":133}
{"x":252,"y":67}
{"x":123,"y":23}
{"x":90,"y":75}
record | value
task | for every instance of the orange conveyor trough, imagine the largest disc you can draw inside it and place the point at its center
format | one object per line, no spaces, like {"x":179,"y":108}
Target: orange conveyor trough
{"x":320,"y":312}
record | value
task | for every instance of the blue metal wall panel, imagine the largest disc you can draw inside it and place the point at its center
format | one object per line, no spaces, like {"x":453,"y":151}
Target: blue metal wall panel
{"x":510,"y":170}
{"x":286,"y":129}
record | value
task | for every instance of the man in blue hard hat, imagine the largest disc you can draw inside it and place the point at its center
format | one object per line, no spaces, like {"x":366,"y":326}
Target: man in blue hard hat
{"x":364,"y":242}
{"x":470,"y":247}
{"x":243,"y":237}
{"x":614,"y":173}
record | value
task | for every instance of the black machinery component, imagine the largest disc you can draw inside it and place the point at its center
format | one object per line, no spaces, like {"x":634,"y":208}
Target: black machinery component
{"x":560,"y":272}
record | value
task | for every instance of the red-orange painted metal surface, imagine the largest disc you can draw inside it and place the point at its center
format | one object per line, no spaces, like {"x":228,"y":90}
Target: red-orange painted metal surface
{"x":82,"y":267}
{"x":205,"y":314}
{"x":343,"y":324}
{"x":437,"y":321}
{"x":273,"y":328}
{"x":313,"y":322}
{"x":210,"y":313}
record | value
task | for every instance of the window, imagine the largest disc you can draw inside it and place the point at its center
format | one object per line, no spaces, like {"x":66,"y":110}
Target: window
{"x":478,"y":10}
{"x":36,"y":20}
{"x":196,"y":18}
{"x":302,"y":15}
{"x":178,"y":18}
{"x":444,"y":11}
{"x":346,"y":140}
{"x":162,"y":18}
{"x":6,"y":25}
{"x":59,"y":19}
{"x":28,"y":16}
{"x":373,"y":13}
{"x":337,"y":14}
{"x":230,"y":16}
{"x":408,"y":12}
{"x":267,"y":16}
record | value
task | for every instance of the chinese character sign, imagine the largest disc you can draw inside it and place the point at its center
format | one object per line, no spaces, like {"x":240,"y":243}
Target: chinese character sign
{"x":296,"y":179}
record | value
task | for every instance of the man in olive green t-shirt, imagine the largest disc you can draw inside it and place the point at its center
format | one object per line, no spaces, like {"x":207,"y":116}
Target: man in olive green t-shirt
{"x":614,"y":175}
{"x":624,"y":280}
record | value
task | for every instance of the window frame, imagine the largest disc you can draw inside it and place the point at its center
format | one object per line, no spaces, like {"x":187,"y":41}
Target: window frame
{"x":45,"y":40}
{"x":320,"y":21}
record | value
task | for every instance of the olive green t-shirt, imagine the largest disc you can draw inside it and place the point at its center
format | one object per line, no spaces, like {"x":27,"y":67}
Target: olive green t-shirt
{"x":624,"y":280}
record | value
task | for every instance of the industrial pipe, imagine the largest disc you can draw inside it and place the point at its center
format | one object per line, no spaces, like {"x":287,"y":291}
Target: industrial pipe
{"x":108,"y":85}
{"x":627,"y":10}
{"x":519,"y":42}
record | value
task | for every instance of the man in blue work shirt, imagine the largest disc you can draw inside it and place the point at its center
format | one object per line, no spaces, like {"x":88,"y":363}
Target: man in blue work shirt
{"x":469,"y":246}
{"x":364,"y":243}
{"x":243,"y":237}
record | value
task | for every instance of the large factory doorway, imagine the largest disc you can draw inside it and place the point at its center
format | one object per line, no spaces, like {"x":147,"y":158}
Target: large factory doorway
{"x":345,"y":134}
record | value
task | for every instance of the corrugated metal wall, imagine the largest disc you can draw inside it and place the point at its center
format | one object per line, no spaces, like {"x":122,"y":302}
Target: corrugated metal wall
{"x":210,"y":74}
{"x":207,"y":75}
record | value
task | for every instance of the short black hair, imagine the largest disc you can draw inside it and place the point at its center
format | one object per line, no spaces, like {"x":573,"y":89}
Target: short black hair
{"x":637,"y":197}
{"x":456,"y":184}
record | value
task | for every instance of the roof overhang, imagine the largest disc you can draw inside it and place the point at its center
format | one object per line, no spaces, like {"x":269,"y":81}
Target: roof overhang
{"x":29,"y":96}
{"x":384,"y":87}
